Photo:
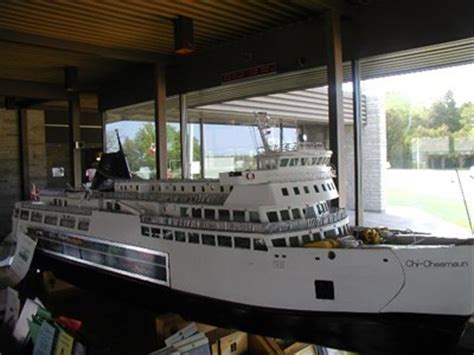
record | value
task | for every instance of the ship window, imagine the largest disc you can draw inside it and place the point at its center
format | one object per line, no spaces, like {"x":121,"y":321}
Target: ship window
{"x":183,"y":211}
{"x":16,"y":212}
{"x":303,"y":161}
{"x":180,"y":236}
{"x":194,"y":188}
{"x":193,"y":238}
{"x":296,"y":190}
{"x":324,"y":289}
{"x":222,"y":188}
{"x":284,"y":191}
{"x":314,"y":161}
{"x":296,"y":213}
{"x":242,"y":243}
{"x":272,"y":216}
{"x":294,"y":242}
{"x":331,"y":233}
{"x":283,"y":162}
{"x":145,"y":231}
{"x":231,"y":188}
{"x":155,"y":232}
{"x":53,"y":220}
{"x":316,"y":189}
{"x":224,"y":215}
{"x":319,"y":208}
{"x":182,"y":188}
{"x":306,"y":189}
{"x":36,"y":217}
{"x":167,"y":234}
{"x":285,"y":215}
{"x":25,"y":215}
{"x":317,"y":236}
{"x":203,"y":189}
{"x":67,"y":222}
{"x":208,"y":239}
{"x":196,"y":212}
{"x":109,"y":206}
{"x":152,"y":188}
{"x":239,"y":216}
{"x":117,"y":206}
{"x":324,"y":187}
{"x":254,"y":216}
{"x":293,"y":162}
{"x":306,"y":238}
{"x":329,"y":187}
{"x":280,"y":242}
{"x":137,"y":187}
{"x":259,"y":244}
{"x":209,"y":214}
{"x":309,"y":212}
{"x":224,"y":241}
{"x":83,"y":225}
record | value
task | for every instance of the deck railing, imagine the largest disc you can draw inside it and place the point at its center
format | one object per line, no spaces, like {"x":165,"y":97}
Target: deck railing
{"x":249,"y":227}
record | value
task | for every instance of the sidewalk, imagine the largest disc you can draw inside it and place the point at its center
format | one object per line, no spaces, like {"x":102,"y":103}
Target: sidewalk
{"x":413,"y":219}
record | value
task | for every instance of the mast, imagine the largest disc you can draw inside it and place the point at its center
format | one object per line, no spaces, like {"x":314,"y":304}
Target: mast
{"x":264,"y":128}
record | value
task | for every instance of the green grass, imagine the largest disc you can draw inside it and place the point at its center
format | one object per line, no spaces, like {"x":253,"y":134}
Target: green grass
{"x":448,"y":210}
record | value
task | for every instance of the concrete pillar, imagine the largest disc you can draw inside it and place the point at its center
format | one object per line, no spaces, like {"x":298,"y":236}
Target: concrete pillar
{"x":161,"y":143}
{"x":336,"y":114}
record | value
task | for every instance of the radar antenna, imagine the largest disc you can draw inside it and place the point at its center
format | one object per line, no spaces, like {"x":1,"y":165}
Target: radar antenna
{"x":265,"y":124}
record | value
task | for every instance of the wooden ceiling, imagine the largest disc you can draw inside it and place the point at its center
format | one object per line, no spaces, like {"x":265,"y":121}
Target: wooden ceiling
{"x":148,"y":25}
{"x":31,"y":32}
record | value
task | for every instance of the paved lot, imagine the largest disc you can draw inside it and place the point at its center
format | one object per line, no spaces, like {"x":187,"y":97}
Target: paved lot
{"x":426,"y":201}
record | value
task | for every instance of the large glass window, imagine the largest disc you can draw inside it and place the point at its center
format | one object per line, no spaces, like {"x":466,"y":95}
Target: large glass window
{"x":424,"y":125}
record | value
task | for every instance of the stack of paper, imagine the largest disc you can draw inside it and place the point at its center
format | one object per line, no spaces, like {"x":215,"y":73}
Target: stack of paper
{"x":187,"y":341}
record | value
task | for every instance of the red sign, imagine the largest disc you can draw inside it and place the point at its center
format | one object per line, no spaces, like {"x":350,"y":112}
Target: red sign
{"x":249,"y":72}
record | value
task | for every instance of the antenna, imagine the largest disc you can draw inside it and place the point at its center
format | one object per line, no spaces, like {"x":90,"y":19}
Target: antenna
{"x":118,"y":140}
{"x":265,"y":124}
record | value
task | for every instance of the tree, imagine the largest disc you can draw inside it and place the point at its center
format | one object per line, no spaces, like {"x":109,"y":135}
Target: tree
{"x":444,"y":111}
{"x":140,"y":149}
{"x":467,"y":120}
{"x":398,"y":116}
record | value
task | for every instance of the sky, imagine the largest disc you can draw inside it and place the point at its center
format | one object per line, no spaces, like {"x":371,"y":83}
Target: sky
{"x":421,"y":88}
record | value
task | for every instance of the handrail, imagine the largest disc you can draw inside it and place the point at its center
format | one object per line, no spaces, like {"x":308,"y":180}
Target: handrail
{"x":181,"y":197}
{"x":57,"y":209}
{"x":251,"y":227}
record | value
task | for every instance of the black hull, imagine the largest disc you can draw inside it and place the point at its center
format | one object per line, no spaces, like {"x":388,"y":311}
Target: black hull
{"x":366,"y":333}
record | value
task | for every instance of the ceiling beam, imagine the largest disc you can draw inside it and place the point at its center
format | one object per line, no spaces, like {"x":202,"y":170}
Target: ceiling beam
{"x":132,"y":55}
{"x":32,"y":90}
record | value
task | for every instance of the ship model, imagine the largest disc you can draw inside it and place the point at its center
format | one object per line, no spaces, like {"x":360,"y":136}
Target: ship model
{"x":260,"y":250}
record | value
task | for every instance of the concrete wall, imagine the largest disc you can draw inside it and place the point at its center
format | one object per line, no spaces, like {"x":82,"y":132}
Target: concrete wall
{"x":10,"y":184}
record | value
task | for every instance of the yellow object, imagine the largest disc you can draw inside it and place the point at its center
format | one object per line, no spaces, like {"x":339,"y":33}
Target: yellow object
{"x":324,"y":244}
{"x":370,"y":236}
{"x":64,"y":344}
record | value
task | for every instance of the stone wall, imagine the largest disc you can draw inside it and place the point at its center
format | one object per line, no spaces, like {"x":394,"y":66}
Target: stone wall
{"x":10,"y":183}
{"x":35,"y":145}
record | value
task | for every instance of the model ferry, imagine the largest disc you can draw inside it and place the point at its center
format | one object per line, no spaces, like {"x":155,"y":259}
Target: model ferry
{"x":260,"y":250}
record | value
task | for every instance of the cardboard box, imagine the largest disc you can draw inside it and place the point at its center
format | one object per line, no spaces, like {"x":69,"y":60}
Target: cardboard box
{"x":227,"y":342}
{"x":170,"y":323}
